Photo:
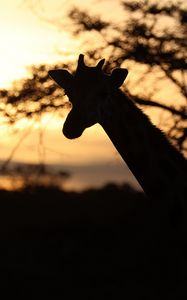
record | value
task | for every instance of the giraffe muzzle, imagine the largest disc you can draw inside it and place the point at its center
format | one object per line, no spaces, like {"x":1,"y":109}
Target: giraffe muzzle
{"x":72,"y":128}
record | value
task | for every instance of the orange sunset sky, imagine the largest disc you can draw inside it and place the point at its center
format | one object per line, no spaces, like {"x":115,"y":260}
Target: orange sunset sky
{"x":26,"y":39}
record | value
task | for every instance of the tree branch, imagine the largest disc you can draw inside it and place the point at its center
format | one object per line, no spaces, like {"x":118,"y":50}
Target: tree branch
{"x":180,"y":113}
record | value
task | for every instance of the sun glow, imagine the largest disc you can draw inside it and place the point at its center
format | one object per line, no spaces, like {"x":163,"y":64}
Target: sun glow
{"x":21,"y":52}
{"x":25,"y":40}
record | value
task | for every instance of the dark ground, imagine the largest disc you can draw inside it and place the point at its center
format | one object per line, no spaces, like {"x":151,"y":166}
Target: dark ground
{"x":98,"y":244}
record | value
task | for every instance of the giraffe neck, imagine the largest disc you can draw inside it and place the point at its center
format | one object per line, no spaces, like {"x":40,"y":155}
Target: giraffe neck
{"x":155,"y":163}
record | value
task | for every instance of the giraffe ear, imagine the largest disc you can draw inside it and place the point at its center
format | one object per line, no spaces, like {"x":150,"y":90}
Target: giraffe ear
{"x":118,"y":76}
{"x":61,"y":77}
{"x":100,"y":63}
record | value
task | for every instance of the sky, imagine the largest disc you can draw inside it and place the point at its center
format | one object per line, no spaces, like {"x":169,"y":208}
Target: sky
{"x":27,"y":40}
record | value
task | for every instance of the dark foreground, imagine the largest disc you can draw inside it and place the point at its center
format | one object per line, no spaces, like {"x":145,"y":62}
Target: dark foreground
{"x":100,"y":244}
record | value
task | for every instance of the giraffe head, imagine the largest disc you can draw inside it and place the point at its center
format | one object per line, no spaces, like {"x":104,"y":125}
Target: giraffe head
{"x":87,"y":89}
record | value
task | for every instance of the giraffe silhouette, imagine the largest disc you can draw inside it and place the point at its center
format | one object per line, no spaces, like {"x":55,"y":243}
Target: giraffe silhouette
{"x":96,"y":97}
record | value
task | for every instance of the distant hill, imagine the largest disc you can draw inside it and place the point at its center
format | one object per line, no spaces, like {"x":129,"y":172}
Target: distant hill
{"x":78,"y":177}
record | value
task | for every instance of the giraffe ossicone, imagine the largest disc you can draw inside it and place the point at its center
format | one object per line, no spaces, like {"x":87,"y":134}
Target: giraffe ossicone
{"x":96,"y":97}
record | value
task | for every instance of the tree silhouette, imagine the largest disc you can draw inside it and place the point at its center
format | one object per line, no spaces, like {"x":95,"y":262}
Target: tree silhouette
{"x":152,"y":38}
{"x":30,"y":98}
{"x":153,"y":35}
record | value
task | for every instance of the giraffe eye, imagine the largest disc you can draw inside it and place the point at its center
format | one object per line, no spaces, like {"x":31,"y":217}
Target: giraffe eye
{"x":103,"y":94}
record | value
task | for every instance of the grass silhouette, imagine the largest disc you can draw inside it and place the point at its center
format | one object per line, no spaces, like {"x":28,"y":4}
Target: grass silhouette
{"x":97,"y":244}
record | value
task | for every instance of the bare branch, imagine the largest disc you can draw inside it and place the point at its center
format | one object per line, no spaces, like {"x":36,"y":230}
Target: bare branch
{"x":181,"y":113}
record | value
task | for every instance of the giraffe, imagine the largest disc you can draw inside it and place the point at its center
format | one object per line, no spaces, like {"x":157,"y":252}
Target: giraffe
{"x":96,"y":97}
